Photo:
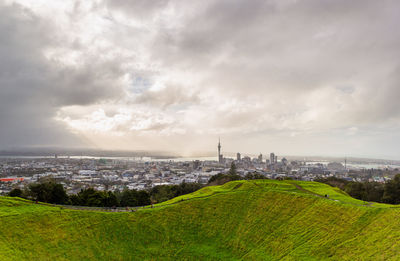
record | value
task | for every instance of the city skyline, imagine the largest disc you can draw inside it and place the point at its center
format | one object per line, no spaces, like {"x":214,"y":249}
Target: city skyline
{"x":294,"y":77}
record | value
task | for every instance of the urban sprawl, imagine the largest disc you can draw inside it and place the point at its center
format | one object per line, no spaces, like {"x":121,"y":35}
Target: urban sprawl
{"x":119,"y":174}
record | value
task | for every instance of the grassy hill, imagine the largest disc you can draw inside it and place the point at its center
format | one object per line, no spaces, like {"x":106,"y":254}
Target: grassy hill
{"x":241,"y":220}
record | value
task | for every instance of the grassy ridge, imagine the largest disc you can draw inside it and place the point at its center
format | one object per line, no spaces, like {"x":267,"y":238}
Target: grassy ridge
{"x":250,"y":220}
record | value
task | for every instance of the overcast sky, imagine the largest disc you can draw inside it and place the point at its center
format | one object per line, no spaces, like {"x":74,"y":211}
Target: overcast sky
{"x":312,"y":77}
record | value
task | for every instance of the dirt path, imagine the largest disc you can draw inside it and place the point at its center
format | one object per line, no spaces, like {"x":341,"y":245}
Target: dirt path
{"x":307,"y":191}
{"x":366,"y":204}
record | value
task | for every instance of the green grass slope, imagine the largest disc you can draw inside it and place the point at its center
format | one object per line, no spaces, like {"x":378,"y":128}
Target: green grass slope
{"x":241,"y":220}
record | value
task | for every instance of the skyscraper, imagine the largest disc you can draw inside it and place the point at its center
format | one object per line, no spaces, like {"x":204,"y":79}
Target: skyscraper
{"x":272,"y":158}
{"x":238,"y":156}
{"x":219,"y":151}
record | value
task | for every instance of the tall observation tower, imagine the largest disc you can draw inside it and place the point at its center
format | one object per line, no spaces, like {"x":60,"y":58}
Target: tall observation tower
{"x":219,"y":151}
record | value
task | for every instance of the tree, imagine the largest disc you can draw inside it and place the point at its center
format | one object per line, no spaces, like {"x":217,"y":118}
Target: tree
{"x":254,"y":175}
{"x":49,"y":192}
{"x":40,"y":192}
{"x":109,"y":199}
{"x":391,"y":192}
{"x":186,"y":188}
{"x":75,"y":200}
{"x":143,"y":198}
{"x":368,"y":191}
{"x":162,"y":193}
{"x":221,"y":178}
{"x":334,"y":182}
{"x":58,"y":194}
{"x":129,"y":198}
{"x":165,"y":192}
{"x":374,"y":191}
{"x":88,"y":197}
{"x":356,"y":190}
{"x":232,"y":170}
{"x":15,"y":193}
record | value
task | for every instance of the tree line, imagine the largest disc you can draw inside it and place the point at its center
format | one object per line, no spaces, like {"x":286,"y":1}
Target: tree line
{"x":388,"y":192}
{"x":50,"y":192}
{"x":232,"y":175}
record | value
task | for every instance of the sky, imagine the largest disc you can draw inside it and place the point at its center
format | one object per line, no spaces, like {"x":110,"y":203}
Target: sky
{"x":296,"y":77}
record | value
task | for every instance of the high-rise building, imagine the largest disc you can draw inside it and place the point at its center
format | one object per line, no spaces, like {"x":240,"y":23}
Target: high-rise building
{"x":196,"y":164}
{"x":272,"y":158}
{"x":238,"y":157}
{"x":260,"y":158}
{"x":284,"y":161}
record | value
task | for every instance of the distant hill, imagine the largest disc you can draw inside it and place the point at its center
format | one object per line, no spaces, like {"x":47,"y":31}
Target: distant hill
{"x":46,"y":152}
{"x":241,"y":220}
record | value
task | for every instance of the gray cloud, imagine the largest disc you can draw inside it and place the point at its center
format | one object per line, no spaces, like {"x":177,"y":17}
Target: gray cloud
{"x":170,"y":95}
{"x":33,"y":87}
{"x":239,"y":68}
{"x":284,"y":48}
{"x":138,"y":9}
{"x":292,"y":57}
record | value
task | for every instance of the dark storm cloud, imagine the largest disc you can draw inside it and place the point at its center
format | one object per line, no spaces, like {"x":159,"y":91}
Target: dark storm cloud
{"x":32,"y":87}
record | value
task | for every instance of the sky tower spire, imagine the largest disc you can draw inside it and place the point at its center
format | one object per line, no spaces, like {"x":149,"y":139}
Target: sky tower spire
{"x":219,"y":150}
